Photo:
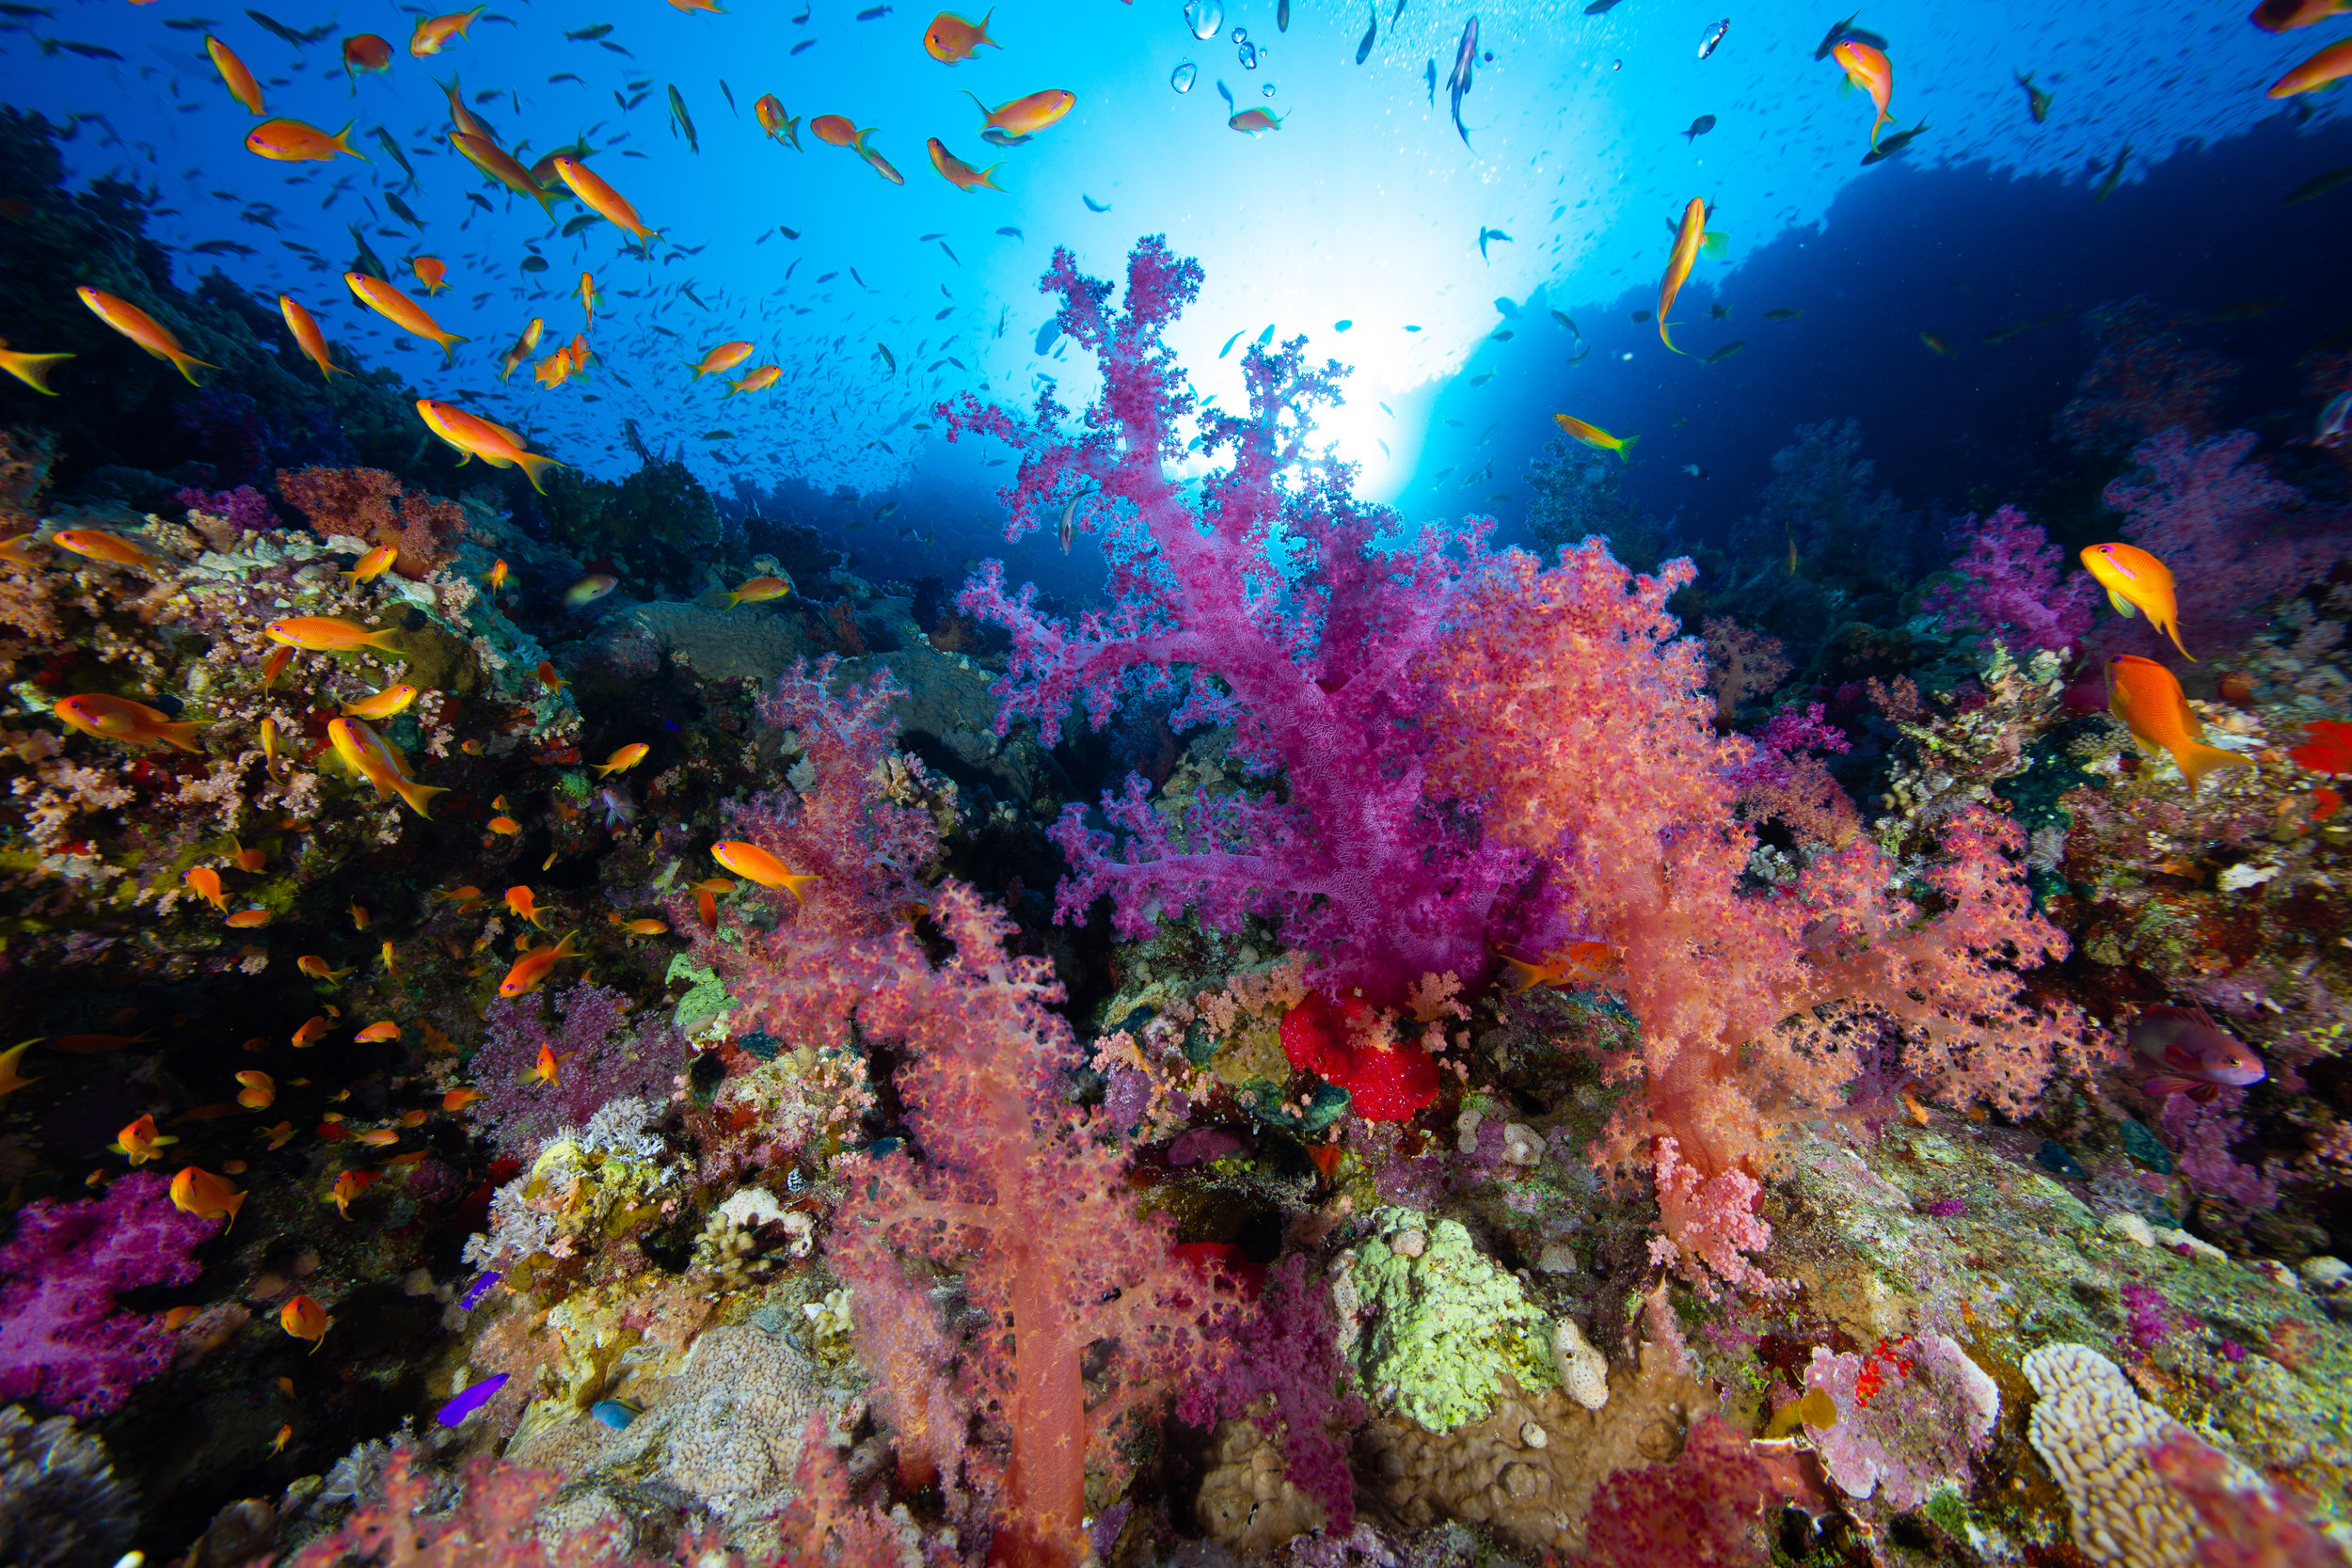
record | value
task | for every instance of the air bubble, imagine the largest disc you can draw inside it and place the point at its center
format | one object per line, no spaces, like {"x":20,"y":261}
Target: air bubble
{"x":1206,"y":18}
{"x":1184,"y":76}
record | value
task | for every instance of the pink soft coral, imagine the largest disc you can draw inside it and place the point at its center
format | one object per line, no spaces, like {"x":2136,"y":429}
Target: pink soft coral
{"x":1704,"y":1511}
{"x":2013,"y":588}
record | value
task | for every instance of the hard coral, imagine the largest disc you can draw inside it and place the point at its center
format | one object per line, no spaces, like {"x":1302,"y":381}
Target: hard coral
{"x":61,"y":1505}
{"x":62,"y":1340}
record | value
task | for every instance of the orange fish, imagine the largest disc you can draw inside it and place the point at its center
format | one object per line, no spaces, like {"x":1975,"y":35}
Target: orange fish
{"x":724,"y":357}
{"x":750,"y":862}
{"x":627,"y":757}
{"x":31,"y":369}
{"x":377,"y":760}
{"x":144,"y":330}
{"x":641,"y":927}
{"x":244,"y":859}
{"x":140,"y":1142}
{"x":1579,"y":963}
{"x":2332,"y":64}
{"x":496,"y":161}
{"x":545,"y":1068}
{"x":380,"y":1137}
{"x":135,"y":725}
{"x":1688,"y":237}
{"x":433,"y":33}
{"x":307,"y":337}
{"x":951,"y":39}
{"x":280,"y":1135}
{"x":206,"y":883}
{"x":1869,"y":69}
{"x":19,"y":549}
{"x":98,"y":544}
{"x":350,"y":1184}
{"x":457,"y":1099}
{"x":374,"y":565}
{"x":387,"y":1030}
{"x":295,"y":141}
{"x":2136,"y":580}
{"x":402,"y":311}
{"x":247,"y":920}
{"x":521,"y":351}
{"x":387,"y":704}
{"x":315,"y":967}
{"x":959,"y":173}
{"x":285,"y":1435}
{"x":506,"y":827}
{"x":2147,"y":697}
{"x":431,"y":271}
{"x":272,"y":668}
{"x":305,"y":1319}
{"x":757,"y":380}
{"x":234,"y":74}
{"x":589,"y":298}
{"x":780,"y":126}
{"x":2281,"y":16}
{"x":461,"y":896}
{"x":531,"y":968}
{"x":368,"y":52}
{"x":259,"y":1093}
{"x":475,"y":437}
{"x":498,"y":577}
{"x":518,"y":899}
{"x":1029,"y":115}
{"x":603,"y":199}
{"x":838,"y":131}
{"x":177,"y":1316}
{"x":205,"y":1195}
{"x":707,"y":909}
{"x":329,"y":634}
{"x":758,"y":591}
{"x":310,"y":1032}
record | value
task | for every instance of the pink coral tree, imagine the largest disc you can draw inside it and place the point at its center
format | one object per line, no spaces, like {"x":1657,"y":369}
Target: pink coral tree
{"x":1272,"y":591}
{"x":2014,"y":587}
{"x":1567,"y":702}
{"x":63,"y":1342}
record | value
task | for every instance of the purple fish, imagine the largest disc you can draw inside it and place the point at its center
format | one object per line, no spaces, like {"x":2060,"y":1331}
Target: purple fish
{"x":476,"y":1292}
{"x":618,"y":807}
{"x":2198,"y":1056}
{"x":455,"y":1413}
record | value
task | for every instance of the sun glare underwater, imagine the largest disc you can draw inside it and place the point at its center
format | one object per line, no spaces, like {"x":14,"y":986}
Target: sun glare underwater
{"x":1390,"y":785}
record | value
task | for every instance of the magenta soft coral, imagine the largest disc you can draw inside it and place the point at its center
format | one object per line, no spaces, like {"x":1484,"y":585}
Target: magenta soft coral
{"x":62,"y":1339}
{"x":2014,"y":587}
{"x":1299,"y":623}
{"x":1704,"y":1511}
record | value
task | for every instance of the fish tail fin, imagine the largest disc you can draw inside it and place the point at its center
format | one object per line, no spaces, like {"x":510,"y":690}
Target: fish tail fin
{"x":2172,"y":628}
{"x":531,"y":462}
{"x":449,"y":341}
{"x":35,"y":369}
{"x":1669,"y":341}
{"x":2197,"y":760}
{"x":418,"y":796}
{"x":1526,"y":974}
{"x":993,"y":44}
{"x":987,"y":175}
{"x":342,"y":140}
{"x":236,"y":1201}
{"x":1625,"y":441}
{"x":181,"y":736}
{"x":181,"y":360}
{"x":988,"y":116}
{"x":386,"y":642}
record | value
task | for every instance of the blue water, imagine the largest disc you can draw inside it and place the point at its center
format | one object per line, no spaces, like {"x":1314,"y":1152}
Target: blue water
{"x":1364,"y":207}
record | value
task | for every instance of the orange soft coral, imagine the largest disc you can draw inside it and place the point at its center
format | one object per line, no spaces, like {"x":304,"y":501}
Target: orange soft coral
{"x":369,"y":503}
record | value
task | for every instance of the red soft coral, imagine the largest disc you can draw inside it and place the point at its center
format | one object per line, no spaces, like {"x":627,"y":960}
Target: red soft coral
{"x":1704,"y":1511}
{"x":369,"y":503}
{"x":1385,"y":1080}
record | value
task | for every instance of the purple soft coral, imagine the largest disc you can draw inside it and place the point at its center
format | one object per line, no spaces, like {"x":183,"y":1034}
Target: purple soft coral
{"x":1300,"y":624}
{"x":62,"y":1339}
{"x":2014,"y":587}
{"x":602,"y":1055}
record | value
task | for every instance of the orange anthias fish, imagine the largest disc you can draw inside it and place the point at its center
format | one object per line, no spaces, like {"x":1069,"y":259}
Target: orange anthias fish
{"x":525,"y":907}
{"x":780,"y":126}
{"x":951,"y":39}
{"x":1869,"y":69}
{"x":494,"y":160}
{"x":402,"y":311}
{"x":90,"y":1045}
{"x":1026,"y":115}
{"x":523,"y":345}
{"x":2281,"y":16}
{"x":98,"y":544}
{"x":307,"y":337}
{"x":139,"y":1142}
{"x":295,"y":141}
{"x":752,"y":862}
{"x":603,"y":199}
{"x":1593,"y":436}
{"x":589,"y":298}
{"x":315,"y":967}
{"x":374,"y":565}
{"x":555,"y":370}
{"x":248,"y":920}
{"x":350,"y":1184}
{"x":387,"y":1030}
{"x":532,"y":967}
{"x":31,"y":369}
{"x":205,"y":1195}
{"x":379,"y":1137}
{"x":144,"y":330}
{"x":368,"y":52}
{"x":135,"y":725}
{"x":2138,"y":582}
{"x":234,"y":74}
{"x":624,"y":759}
{"x":206,"y":883}
{"x":757,"y":591}
{"x":244,"y":859}
{"x":259,"y":1093}
{"x":2332,"y":64}
{"x":475,"y":437}
{"x":546,"y":1068}
{"x":1579,"y":963}
{"x":431,"y":271}
{"x":498,"y":577}
{"x":329,"y":634}
{"x":643,"y":927}
{"x":433,"y":33}
{"x":959,"y":173}
{"x":312,"y":1031}
{"x":457,"y":1099}
{"x":305,"y":1319}
{"x":1678,"y":263}
{"x":387,"y":704}
{"x":373,"y":758}
{"x":757,"y":380}
{"x":722,"y":358}
{"x":838,"y":131}
{"x":2147,"y":697}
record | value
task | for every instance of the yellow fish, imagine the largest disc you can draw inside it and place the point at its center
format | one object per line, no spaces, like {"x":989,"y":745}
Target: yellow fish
{"x":589,"y":298}
{"x":492,"y":160}
{"x":205,"y":1195}
{"x":758,"y":379}
{"x":758,"y":591}
{"x":431,"y":271}
{"x":374,"y":1033}
{"x":205,"y":881}
{"x":366,"y":754}
{"x":603,"y":199}
{"x":387,"y":704}
{"x":959,"y":173}
{"x":374,"y":565}
{"x":294,"y":141}
{"x":531,"y":968}
{"x":2135,"y":582}
{"x":327,"y":634}
{"x":98,"y":544}
{"x":1026,"y":115}
{"x":402,"y":311}
{"x":433,"y":33}
{"x":2147,"y":697}
{"x":1593,"y":436}
{"x":624,"y":759}
{"x":315,"y":967}
{"x":10,"y":1080}
{"x":523,"y":345}
{"x":475,"y":437}
{"x":1870,"y":71}
{"x":525,"y":907}
{"x":31,"y":369}
{"x":306,"y":335}
{"x":780,"y":126}
{"x":234,"y":74}
{"x":350,"y":1184}
{"x":724,"y":357}
{"x":144,"y":330}
{"x":1678,"y":262}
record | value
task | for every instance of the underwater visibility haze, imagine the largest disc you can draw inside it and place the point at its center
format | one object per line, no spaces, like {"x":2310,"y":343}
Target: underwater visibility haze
{"x":1249,"y":781}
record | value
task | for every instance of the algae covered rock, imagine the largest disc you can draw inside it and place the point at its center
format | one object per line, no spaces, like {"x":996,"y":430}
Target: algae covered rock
{"x":1445,"y":1324}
